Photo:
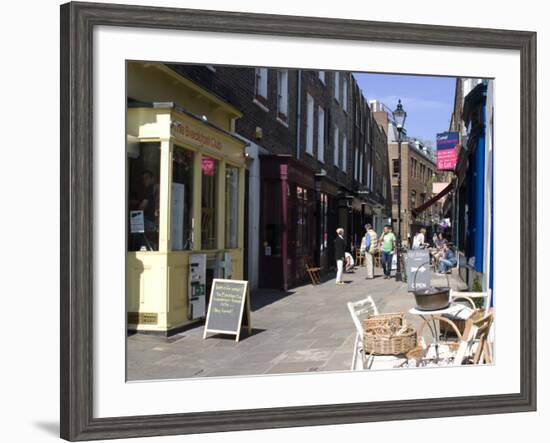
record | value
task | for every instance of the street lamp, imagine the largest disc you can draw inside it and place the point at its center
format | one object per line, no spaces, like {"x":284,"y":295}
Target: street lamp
{"x":399,"y":116}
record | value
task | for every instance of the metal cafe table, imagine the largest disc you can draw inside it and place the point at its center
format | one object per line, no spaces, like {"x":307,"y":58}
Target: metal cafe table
{"x":430,"y":318}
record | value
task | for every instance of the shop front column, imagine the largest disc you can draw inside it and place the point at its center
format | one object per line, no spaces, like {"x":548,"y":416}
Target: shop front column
{"x":165,"y":184}
{"x":242,"y":223}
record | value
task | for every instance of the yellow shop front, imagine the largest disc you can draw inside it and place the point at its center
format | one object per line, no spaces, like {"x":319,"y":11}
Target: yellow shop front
{"x":185,"y":182}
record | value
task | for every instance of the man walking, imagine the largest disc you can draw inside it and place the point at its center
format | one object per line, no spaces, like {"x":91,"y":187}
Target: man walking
{"x":387,"y":247}
{"x":339,"y":255}
{"x":368,"y":248}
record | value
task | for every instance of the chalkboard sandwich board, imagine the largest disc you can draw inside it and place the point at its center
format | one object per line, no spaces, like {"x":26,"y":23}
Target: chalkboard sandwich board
{"x":229,"y":308}
{"x":418,"y":269}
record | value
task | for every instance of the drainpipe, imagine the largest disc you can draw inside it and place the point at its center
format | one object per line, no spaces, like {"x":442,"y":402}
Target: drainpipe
{"x":298,"y":111}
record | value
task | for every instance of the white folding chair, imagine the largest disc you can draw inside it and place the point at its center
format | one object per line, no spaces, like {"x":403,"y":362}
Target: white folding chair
{"x":363,"y":308}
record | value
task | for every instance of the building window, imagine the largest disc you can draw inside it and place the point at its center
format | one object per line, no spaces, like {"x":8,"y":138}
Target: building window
{"x":395,"y":194}
{"x":282,"y":95}
{"x":371,"y":176}
{"x":395,"y":167}
{"x":182,"y":200}
{"x":356,"y":164}
{"x":309,"y":124}
{"x":337,"y":86}
{"x":345,"y":94}
{"x":260,"y":89}
{"x":344,"y":153}
{"x":368,"y":174}
{"x":143,"y":196}
{"x":413,"y":199}
{"x":336,"y":146}
{"x":209,"y":168}
{"x":322,"y":76}
{"x":231,"y":207}
{"x":321,"y":134}
{"x":361,"y":159}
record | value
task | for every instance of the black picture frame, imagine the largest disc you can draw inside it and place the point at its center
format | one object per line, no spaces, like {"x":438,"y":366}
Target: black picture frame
{"x":77,"y":23}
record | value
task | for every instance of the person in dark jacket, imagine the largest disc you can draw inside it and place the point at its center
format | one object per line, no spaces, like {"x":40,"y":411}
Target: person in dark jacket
{"x":339,"y":255}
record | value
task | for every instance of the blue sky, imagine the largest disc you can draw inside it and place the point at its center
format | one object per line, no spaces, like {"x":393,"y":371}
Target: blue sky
{"x":428,"y":101}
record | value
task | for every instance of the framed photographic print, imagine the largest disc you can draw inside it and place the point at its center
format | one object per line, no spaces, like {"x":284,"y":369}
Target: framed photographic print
{"x":272,"y":221}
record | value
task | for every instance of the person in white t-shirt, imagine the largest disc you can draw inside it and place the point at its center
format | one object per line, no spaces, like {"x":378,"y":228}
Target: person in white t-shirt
{"x":419,"y":240}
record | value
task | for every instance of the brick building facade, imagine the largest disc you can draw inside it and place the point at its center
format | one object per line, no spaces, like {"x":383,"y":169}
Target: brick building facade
{"x":316,"y":161}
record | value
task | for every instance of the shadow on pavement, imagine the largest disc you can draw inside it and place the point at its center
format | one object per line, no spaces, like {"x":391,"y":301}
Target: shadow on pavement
{"x":263,"y":297}
{"x":244,"y":335}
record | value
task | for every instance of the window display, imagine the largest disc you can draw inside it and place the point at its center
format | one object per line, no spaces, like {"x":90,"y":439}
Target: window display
{"x":209,"y":167}
{"x":182,"y":200}
{"x":143,"y":196}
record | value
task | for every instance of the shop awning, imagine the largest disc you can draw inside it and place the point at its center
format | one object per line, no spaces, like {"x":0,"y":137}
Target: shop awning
{"x":433,"y":200}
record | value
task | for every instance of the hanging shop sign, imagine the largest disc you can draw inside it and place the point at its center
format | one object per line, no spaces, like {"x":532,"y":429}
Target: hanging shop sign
{"x":447,"y":150}
{"x":229,"y":308}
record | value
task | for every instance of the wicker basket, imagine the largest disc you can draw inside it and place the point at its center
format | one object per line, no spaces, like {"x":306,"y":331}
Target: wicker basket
{"x":386,"y":334}
{"x":375,"y":321}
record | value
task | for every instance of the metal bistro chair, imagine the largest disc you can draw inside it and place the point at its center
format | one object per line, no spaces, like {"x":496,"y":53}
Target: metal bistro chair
{"x":366,"y":308}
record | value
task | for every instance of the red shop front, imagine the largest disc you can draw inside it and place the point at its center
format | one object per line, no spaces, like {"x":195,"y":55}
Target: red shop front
{"x":288,"y":229}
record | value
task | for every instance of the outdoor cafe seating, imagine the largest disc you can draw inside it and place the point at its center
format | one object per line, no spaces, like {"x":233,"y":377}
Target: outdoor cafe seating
{"x":460,"y":334}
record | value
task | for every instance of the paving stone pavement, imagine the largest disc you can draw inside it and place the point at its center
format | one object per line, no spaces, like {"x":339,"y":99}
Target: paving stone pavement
{"x":306,"y":329}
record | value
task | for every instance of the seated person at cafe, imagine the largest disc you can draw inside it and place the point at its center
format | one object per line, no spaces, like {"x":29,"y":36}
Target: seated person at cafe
{"x":437,"y":250}
{"x":447,"y":260}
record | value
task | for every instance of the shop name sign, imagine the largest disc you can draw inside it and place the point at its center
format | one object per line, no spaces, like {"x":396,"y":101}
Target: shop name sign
{"x":194,"y":134}
{"x":447,"y":152}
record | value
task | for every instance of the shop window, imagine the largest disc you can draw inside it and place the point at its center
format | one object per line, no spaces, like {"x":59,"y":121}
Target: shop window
{"x":182,"y":200}
{"x":302,"y":218}
{"x":209,"y":169}
{"x":324,"y":222}
{"x":271,"y":197}
{"x":231,"y":207}
{"x":143,"y":196}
